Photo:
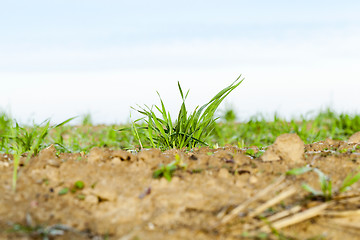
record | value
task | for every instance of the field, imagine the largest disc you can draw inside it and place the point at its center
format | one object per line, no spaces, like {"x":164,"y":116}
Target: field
{"x":94,"y":182}
{"x":198,"y":176}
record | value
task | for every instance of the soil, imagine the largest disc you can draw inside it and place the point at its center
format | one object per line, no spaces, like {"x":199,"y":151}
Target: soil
{"x":221,"y":194}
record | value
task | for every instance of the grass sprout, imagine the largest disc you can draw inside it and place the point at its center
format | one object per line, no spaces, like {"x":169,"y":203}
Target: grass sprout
{"x":327,"y":191}
{"x":325,"y":182}
{"x":348,"y":181}
{"x":86,"y":120}
{"x":31,"y":139}
{"x":167,"y":171}
{"x":188,"y":130}
{"x":20,"y":140}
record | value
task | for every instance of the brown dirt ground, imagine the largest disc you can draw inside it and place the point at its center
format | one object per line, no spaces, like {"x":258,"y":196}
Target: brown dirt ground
{"x":219,"y":195}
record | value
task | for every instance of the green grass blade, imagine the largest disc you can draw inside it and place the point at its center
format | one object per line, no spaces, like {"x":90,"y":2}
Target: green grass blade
{"x":349,"y":180}
{"x":65,"y":122}
{"x":299,"y":171}
{"x":310,"y":189}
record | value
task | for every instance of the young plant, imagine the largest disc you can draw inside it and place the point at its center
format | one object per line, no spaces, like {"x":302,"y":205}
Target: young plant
{"x":86,"y":120}
{"x":349,"y":180}
{"x":5,"y":122}
{"x":31,"y":140}
{"x":325,"y":182}
{"x":327,"y":191}
{"x":168,"y":170}
{"x":17,"y":151}
{"x":189,"y":130}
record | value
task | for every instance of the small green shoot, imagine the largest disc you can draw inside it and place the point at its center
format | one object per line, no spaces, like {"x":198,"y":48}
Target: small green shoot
{"x":344,"y":150}
{"x":81,"y":196}
{"x":17,"y":151}
{"x":251,"y":152}
{"x":79,"y":185}
{"x":30,"y":140}
{"x":325,"y":182}
{"x":229,"y":115}
{"x":349,"y":180}
{"x":63,"y":191}
{"x":87,"y":120}
{"x":327,"y":191}
{"x":299,"y":171}
{"x":167,"y":171}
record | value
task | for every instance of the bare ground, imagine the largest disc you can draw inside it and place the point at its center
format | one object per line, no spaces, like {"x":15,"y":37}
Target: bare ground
{"x":222,"y":194}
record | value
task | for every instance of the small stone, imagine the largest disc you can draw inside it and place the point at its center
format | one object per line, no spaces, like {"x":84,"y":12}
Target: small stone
{"x":355,"y":138}
{"x":288,"y":147}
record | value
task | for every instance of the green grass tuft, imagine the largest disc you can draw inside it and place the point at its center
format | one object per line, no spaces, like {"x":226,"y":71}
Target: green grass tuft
{"x":18,"y":140}
{"x":188,"y":130}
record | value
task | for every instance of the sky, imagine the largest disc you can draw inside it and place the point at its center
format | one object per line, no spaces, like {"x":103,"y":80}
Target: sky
{"x":60,"y":59}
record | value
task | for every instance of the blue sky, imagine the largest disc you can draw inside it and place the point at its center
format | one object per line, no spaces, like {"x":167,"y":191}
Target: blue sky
{"x":296,"y":56}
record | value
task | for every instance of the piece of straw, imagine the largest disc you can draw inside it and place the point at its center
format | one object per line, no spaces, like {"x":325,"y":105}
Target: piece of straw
{"x":283,"y":195}
{"x":299,"y":217}
{"x":260,"y":194}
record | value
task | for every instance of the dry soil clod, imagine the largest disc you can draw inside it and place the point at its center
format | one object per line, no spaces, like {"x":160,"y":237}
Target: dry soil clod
{"x":355,"y":138}
{"x":288,"y":147}
{"x":96,"y":155}
{"x":47,"y":157}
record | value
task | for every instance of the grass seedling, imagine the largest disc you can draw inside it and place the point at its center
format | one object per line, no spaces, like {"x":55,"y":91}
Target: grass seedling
{"x":168,"y":170}
{"x":327,"y":191}
{"x":63,"y":191}
{"x":78,"y":185}
{"x":135,"y":132}
{"x":31,"y":140}
{"x":325,"y":182}
{"x":348,"y":181}
{"x":228,"y":115}
{"x":189,"y":130}
{"x":17,"y":151}
{"x":251,"y":152}
{"x":86,"y":120}
{"x":5,"y":123}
